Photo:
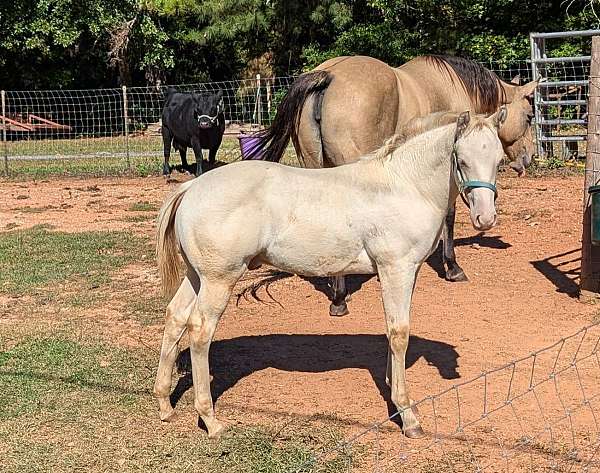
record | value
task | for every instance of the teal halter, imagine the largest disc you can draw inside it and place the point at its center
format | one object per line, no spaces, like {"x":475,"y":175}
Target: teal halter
{"x":465,"y":186}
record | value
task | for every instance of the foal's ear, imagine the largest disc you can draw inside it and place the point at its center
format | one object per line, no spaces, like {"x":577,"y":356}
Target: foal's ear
{"x":516,"y":80}
{"x":461,"y":124}
{"x":499,"y":117}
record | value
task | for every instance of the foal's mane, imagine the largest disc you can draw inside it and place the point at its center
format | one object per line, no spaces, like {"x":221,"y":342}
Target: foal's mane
{"x":483,"y":86}
{"x":413,"y":128}
{"x":419,"y":126}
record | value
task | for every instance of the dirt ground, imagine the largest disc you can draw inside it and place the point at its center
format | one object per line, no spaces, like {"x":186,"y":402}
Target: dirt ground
{"x":285,"y":356}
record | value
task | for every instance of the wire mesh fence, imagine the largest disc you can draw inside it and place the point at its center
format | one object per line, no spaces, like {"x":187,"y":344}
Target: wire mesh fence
{"x":538,"y":413}
{"x":109,"y":131}
{"x":112,"y":131}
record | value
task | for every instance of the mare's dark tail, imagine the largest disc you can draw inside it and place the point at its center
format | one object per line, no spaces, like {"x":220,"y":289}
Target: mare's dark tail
{"x":273,"y":140}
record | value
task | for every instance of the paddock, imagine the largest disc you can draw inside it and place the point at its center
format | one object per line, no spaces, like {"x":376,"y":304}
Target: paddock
{"x":80,"y":350}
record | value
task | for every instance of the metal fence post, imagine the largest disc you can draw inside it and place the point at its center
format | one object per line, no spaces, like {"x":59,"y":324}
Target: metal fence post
{"x":258,"y":101}
{"x":126,"y":123}
{"x":4,"y":142}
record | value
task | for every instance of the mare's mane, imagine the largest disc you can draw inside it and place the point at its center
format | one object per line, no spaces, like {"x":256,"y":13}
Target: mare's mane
{"x":483,"y":86}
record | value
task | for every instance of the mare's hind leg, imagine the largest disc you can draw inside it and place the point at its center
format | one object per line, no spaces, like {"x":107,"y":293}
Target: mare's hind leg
{"x":338,"y":307}
{"x":206,"y":312}
{"x":177,"y":315}
{"x":453,"y":272}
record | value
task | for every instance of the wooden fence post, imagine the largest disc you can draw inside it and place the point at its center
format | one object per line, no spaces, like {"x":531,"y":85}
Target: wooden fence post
{"x":590,"y":255}
{"x":258,"y":101}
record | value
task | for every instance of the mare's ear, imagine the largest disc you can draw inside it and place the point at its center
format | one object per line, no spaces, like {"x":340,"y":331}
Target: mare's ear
{"x":219,"y":94}
{"x":498,"y":118}
{"x":516,"y":80}
{"x":528,"y":89}
{"x":461,"y":124}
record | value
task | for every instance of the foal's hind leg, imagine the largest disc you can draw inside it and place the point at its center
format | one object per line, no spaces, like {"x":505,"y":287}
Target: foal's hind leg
{"x":338,"y":307}
{"x":178,"y":312}
{"x":210,"y":304}
{"x":454,"y":272}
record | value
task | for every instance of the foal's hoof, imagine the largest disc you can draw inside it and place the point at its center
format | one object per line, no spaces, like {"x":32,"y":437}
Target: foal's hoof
{"x":338,"y":310}
{"x":456,"y":275}
{"x":414,"y":432}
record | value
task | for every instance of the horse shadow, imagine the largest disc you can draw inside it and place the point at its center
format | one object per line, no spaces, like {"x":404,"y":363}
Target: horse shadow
{"x":233,"y":359}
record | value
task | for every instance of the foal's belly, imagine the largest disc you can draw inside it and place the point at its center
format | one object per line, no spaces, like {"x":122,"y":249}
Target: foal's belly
{"x":321,"y":264}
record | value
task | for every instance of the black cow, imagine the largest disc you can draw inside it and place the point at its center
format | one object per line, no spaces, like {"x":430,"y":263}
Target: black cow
{"x":192,"y":120}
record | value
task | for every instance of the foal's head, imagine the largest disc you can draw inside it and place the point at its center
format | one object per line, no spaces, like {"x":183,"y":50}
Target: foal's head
{"x":477,"y":154}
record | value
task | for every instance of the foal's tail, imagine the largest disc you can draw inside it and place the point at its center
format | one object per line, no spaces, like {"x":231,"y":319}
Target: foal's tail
{"x":167,"y":243}
{"x":273,"y":140}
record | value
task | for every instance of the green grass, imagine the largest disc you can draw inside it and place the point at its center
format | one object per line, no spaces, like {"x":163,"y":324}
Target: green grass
{"x":144,"y":206}
{"x":72,"y":406}
{"x":104,"y":157}
{"x":35,"y":258}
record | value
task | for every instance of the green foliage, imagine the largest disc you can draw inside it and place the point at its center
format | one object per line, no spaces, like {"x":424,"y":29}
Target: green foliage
{"x":70,"y":43}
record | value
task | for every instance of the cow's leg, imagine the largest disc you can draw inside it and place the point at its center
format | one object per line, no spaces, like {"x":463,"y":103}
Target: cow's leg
{"x":183,"y":154}
{"x":199,"y":157}
{"x":167,"y":139}
{"x":453,"y":272}
{"x":338,"y":307}
{"x":212,"y":156}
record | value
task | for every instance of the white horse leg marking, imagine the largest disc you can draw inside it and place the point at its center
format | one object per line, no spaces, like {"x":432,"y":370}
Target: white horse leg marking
{"x":397,"y":284}
{"x":178,"y":312}
{"x":202,"y":323}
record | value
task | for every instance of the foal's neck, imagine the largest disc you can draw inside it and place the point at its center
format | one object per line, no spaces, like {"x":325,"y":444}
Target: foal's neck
{"x":425,"y":163}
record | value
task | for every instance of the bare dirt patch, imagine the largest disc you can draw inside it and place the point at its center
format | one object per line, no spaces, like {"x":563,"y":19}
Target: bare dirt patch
{"x":285,"y":355}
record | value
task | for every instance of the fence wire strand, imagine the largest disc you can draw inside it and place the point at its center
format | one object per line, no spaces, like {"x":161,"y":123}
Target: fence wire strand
{"x":83,"y":131}
{"x":537,"y":413}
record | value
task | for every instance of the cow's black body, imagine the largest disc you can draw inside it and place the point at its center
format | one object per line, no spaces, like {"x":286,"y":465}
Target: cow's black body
{"x":191,"y":120}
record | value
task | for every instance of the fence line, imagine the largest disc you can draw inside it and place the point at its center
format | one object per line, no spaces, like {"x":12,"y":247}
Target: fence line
{"x":103,"y":131}
{"x":535,"y":413}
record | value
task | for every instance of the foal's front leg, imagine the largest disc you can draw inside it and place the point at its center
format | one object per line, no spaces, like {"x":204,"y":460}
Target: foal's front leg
{"x":397,"y":284}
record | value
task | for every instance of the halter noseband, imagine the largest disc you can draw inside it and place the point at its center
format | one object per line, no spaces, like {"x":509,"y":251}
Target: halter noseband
{"x":465,"y":186}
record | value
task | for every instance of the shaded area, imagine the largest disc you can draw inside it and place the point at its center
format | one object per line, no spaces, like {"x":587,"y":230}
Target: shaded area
{"x":234,"y":359}
{"x":562,"y":270}
{"x":436,"y":262}
{"x":321,"y":284}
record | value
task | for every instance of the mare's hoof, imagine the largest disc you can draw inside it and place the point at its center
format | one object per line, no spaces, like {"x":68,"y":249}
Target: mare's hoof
{"x":216,"y":430}
{"x":167,"y":415}
{"x":414,"y":432}
{"x":456,"y":275}
{"x":338,"y":310}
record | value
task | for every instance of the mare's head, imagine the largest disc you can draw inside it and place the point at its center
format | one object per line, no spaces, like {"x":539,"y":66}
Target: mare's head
{"x":476,"y":156}
{"x":517,"y":132}
{"x":207,"y":108}
{"x":487,"y":93}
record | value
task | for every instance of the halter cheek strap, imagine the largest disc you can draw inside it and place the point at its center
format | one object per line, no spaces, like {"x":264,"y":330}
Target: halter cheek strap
{"x":464,"y":186}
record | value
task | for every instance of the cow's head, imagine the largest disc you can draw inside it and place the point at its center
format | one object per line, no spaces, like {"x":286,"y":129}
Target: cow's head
{"x":207,"y":108}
